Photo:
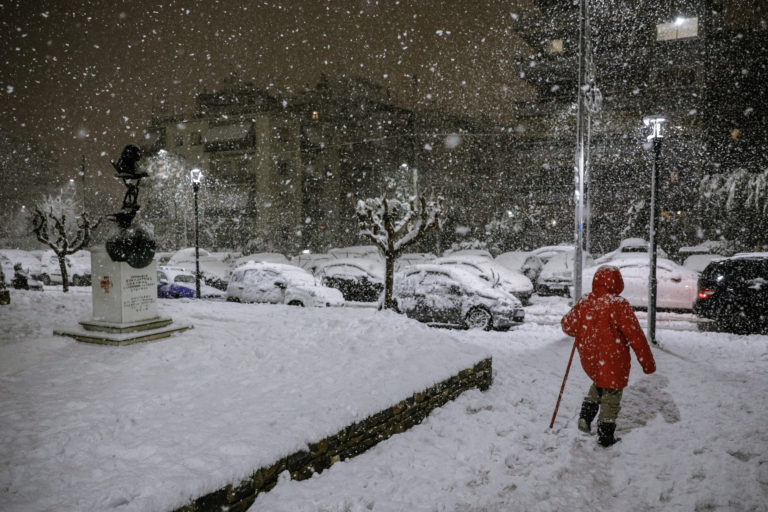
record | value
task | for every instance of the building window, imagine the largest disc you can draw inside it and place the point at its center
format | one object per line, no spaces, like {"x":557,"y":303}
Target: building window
{"x":315,"y":115}
{"x":555,"y":46}
{"x":681,"y":28}
{"x":197,"y":139}
{"x":179,"y":140}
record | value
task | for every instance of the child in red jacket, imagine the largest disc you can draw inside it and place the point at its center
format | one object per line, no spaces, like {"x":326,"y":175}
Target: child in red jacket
{"x":605,"y":327}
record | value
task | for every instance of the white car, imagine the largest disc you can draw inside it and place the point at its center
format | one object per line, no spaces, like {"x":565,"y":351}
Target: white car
{"x":698,"y":262}
{"x":478,"y":253}
{"x":311,"y":262}
{"x":448,"y":295}
{"x":356,"y":251}
{"x":184,"y":278}
{"x":7,"y":266}
{"x":29,"y":262}
{"x":215,"y":271}
{"x":496,"y":275}
{"x":556,"y":277}
{"x":80,"y":275}
{"x":271,"y":257}
{"x":413,"y":258}
{"x":276,"y":283}
{"x":521,"y":261}
{"x":546,"y":252}
{"x":50,"y":271}
{"x":676,"y":286}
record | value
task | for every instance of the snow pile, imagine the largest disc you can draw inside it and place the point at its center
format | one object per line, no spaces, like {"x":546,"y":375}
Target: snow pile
{"x":152,"y":426}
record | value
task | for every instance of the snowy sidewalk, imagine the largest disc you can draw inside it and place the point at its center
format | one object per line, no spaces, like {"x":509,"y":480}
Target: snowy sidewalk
{"x":155,"y":425}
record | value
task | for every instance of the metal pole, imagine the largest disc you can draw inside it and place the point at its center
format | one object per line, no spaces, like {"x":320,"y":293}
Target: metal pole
{"x":196,"y":186}
{"x":579,"y":167}
{"x":652,"y":224}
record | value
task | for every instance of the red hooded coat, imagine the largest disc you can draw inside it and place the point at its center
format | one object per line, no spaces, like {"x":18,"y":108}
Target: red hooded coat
{"x":605,"y":326}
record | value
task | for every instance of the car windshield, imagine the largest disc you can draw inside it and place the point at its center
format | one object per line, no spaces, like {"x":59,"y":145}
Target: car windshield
{"x":184,"y":278}
{"x":298,"y":278}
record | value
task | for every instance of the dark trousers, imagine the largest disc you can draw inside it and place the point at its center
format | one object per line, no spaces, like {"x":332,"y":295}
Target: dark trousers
{"x":609,"y":401}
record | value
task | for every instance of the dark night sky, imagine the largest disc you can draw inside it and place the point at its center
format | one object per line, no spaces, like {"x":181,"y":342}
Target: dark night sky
{"x":84,"y":76}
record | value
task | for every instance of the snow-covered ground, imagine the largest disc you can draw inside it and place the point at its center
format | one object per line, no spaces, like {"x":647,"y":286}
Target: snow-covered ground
{"x":694,"y":433}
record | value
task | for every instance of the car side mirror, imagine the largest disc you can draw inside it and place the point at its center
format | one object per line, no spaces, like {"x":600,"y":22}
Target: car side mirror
{"x":163,"y":281}
{"x":281,"y":285}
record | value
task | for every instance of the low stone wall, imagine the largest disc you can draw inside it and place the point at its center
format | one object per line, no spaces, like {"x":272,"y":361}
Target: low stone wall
{"x":351,"y":441}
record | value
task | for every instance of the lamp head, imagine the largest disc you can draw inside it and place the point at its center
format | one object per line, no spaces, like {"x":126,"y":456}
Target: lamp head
{"x":196,"y":175}
{"x":656,"y":124}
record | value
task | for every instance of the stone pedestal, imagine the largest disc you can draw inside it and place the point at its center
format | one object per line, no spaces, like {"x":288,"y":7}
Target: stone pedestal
{"x":124,"y":304}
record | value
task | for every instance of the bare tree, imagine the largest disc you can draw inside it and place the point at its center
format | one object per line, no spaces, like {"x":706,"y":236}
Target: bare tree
{"x":52,"y":225}
{"x":394,"y":225}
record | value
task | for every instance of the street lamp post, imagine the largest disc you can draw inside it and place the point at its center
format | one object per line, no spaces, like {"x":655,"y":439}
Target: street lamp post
{"x":196,"y":175}
{"x":656,"y":125}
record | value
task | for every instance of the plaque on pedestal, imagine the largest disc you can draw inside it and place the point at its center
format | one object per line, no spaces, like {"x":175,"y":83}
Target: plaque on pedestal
{"x":124,"y":304}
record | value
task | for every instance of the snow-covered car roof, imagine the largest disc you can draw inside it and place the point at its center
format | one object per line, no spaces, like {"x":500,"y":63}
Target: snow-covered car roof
{"x":742,"y":255}
{"x":480,"y":253}
{"x":293,"y":273}
{"x":188,"y":253}
{"x":630,"y":262}
{"x":472,"y":281}
{"x":342,"y":266}
{"x":272,"y":257}
{"x":355,"y":251}
{"x":28,"y":260}
{"x":698,"y":262}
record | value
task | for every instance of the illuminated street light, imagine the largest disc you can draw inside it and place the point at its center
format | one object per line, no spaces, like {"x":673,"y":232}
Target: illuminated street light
{"x":656,"y":125}
{"x":196,"y":175}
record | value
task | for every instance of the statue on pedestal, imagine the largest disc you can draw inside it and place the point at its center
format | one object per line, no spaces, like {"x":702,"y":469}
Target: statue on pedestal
{"x":132,"y":245}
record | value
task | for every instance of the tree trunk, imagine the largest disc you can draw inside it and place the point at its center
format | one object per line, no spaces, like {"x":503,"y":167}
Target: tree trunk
{"x":63,"y":267}
{"x":389,"y":279}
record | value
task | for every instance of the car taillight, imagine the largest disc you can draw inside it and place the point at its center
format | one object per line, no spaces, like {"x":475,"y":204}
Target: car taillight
{"x":705,"y":293}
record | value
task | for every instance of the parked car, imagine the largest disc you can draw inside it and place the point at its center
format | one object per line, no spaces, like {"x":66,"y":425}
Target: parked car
{"x":29,"y":262}
{"x":277,"y":283}
{"x":698,"y":262}
{"x":630,"y":247}
{"x":497,"y":275}
{"x":311,"y":262}
{"x":675,"y":285}
{"x":546,"y":252}
{"x":170,"y":279}
{"x":413,"y":258}
{"x":359,"y":280}
{"x":80,"y":274}
{"x":733,"y":293}
{"x":7,"y":266}
{"x":271,"y":257}
{"x":556,"y":276}
{"x":479,"y":253}
{"x":522,"y":261}
{"x":215,"y":271}
{"x":369,"y":252}
{"x":167,"y":289}
{"x":448,"y":295}
{"x":50,"y":271}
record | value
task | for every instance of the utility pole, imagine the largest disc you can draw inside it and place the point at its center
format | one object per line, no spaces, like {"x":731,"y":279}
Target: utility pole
{"x":580,"y":156}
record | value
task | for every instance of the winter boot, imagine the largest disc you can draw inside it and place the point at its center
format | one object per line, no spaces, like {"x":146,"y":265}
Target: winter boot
{"x":605,"y":430}
{"x":588,"y":413}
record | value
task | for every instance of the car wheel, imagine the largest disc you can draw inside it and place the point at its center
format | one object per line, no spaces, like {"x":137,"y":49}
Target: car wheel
{"x":478,"y":318}
{"x":296,"y":303}
{"x":46,"y":279}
